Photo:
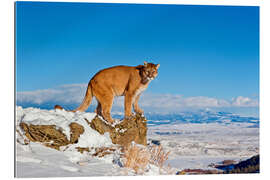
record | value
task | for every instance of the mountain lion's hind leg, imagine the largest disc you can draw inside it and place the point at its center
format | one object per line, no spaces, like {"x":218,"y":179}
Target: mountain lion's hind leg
{"x":98,"y":109}
{"x":106,"y":106}
{"x":104,"y":96}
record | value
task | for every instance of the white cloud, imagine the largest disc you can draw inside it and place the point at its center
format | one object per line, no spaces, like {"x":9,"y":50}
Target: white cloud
{"x":178,"y":102}
{"x":74,"y":93}
{"x":245,"y":102}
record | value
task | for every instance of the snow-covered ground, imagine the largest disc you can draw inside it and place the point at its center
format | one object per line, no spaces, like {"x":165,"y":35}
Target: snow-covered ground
{"x":192,"y":145}
{"x":198,"y":145}
{"x":36,"y":160}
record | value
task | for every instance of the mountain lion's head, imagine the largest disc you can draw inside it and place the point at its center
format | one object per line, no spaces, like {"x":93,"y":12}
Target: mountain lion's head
{"x":148,"y":71}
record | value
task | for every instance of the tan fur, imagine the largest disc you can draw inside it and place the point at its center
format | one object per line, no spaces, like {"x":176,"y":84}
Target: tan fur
{"x":128,"y":81}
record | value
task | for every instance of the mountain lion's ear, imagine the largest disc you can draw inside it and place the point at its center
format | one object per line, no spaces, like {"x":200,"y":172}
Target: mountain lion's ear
{"x":157,"y":66}
{"x":145,"y":63}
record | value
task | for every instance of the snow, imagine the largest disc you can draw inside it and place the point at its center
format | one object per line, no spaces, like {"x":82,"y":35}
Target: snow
{"x":196,"y":145}
{"x":62,"y":119}
{"x":191,"y":145}
{"x":35,"y":160}
{"x":41,"y":161}
{"x":28,"y":159}
{"x":69,"y":168}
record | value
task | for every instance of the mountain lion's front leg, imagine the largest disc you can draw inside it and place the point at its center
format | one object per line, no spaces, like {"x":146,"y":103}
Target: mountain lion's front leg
{"x":136,"y":107}
{"x":128,"y":105}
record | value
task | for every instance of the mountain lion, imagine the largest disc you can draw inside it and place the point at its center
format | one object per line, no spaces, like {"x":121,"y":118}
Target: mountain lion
{"x":128,"y":81}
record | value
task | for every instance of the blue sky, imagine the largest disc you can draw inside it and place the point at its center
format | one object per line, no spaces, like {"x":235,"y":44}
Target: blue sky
{"x":210,"y":51}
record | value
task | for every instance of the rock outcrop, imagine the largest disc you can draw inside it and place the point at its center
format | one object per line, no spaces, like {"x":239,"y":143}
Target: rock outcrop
{"x":128,"y":130}
{"x":51,"y":136}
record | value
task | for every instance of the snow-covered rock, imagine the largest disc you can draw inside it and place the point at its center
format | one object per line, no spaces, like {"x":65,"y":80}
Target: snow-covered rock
{"x":62,"y":120}
{"x":33,"y":159}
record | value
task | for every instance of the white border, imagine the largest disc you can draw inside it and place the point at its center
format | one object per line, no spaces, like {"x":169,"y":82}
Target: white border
{"x":7,"y":84}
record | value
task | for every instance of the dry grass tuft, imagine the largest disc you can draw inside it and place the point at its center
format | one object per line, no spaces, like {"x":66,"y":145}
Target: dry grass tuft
{"x":136,"y":158}
{"x":158,"y":155}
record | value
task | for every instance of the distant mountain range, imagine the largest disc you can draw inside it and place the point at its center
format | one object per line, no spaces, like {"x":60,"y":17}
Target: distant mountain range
{"x":201,"y":116}
{"x":195,"y":116}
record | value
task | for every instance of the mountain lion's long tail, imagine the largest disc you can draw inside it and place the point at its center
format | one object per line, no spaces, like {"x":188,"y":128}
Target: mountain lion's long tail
{"x":85,"y":103}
